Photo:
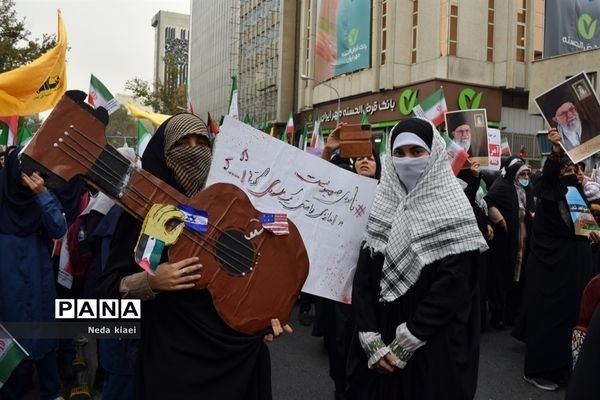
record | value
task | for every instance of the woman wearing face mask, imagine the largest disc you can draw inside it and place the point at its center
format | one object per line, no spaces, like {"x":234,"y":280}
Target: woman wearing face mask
{"x":510,"y":206}
{"x":415,"y":292}
{"x":186,"y":351}
{"x":558,"y":268}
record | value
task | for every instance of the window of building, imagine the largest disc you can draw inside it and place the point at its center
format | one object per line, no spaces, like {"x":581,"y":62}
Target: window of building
{"x":309,"y":22}
{"x":521,"y":24}
{"x":490,"y":32}
{"x":384,"y":30}
{"x":444,"y":28}
{"x":538,"y":30}
{"x":414,"y":31}
{"x":453,"y":42}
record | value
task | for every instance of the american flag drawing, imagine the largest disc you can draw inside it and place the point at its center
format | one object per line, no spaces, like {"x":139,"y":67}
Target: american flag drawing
{"x":276,"y":223}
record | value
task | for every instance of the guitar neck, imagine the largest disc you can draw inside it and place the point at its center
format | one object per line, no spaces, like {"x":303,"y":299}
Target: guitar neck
{"x":134,"y":189}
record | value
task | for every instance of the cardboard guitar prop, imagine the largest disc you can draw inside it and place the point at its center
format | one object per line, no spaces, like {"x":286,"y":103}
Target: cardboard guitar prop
{"x":251,"y":274}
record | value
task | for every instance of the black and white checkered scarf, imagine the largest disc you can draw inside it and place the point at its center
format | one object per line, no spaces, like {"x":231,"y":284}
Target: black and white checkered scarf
{"x":432,"y":221}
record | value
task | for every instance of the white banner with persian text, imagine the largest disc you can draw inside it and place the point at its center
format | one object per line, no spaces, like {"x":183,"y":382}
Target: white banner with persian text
{"x":329,"y":205}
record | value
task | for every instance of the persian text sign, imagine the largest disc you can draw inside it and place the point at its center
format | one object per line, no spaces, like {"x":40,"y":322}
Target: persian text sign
{"x":329,"y":205}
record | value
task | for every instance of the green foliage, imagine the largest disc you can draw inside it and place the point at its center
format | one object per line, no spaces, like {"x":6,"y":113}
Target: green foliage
{"x":121,"y":125}
{"x":16,"y":46}
{"x":164,"y":98}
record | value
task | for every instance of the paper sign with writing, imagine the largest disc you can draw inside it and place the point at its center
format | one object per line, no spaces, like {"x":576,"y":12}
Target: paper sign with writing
{"x":329,"y":205}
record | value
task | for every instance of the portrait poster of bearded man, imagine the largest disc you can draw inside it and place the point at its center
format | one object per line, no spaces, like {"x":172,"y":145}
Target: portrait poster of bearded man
{"x":468,"y":129}
{"x":572,"y":107}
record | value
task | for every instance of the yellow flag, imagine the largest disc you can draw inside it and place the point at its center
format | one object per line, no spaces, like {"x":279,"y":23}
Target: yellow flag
{"x":154,"y":118}
{"x":38,"y":85}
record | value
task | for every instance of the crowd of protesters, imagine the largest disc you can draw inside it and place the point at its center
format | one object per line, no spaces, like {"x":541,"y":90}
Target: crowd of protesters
{"x":444,"y":258}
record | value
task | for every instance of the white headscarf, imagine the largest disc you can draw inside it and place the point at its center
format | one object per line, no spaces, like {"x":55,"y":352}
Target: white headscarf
{"x":432,"y":221}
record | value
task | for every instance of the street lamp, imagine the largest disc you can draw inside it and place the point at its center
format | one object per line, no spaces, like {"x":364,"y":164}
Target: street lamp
{"x":308,"y":78}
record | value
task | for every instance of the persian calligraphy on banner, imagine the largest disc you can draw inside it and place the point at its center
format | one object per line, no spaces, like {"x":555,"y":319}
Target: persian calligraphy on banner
{"x":329,"y":205}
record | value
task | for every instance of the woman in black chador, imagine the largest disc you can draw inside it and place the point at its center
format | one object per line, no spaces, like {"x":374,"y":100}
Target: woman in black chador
{"x":558,"y":268}
{"x":186,"y":350}
{"x":415,"y":291}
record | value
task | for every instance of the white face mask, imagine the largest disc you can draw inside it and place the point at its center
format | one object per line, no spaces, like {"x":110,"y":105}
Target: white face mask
{"x":410,"y":169}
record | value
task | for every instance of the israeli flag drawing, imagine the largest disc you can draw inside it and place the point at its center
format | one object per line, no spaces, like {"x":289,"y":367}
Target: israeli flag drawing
{"x":196,"y":220}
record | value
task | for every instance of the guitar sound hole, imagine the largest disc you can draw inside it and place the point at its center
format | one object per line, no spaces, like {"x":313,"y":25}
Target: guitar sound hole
{"x":234,"y":252}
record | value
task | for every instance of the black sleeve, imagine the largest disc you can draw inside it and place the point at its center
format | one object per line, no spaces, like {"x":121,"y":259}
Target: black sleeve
{"x":471,"y":189}
{"x":120,"y":261}
{"x":550,"y":173}
{"x":456,"y":279}
{"x":365,"y":291}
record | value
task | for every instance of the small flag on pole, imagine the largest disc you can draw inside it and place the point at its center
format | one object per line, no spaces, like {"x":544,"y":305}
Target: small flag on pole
{"x":100,"y":96}
{"x":154,"y":118}
{"x":303,"y":136}
{"x":432,"y":108}
{"x":276,"y":223}
{"x":25,"y":135}
{"x":289,"y":130}
{"x":233,"y":99}
{"x":11,"y":355}
{"x":212,"y":126}
{"x":505,"y":147}
{"x":317,"y":144}
{"x":383,"y":144}
{"x":143,"y":137}
{"x":9,"y":126}
{"x":456,"y":154}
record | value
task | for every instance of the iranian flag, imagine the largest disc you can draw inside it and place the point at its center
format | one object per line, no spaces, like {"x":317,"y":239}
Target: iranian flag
{"x":143,"y":137}
{"x":456,"y":154}
{"x":11,"y":355}
{"x":233,"y":99}
{"x":100,"y":96}
{"x":432,"y":108}
{"x":303,"y":137}
{"x":289,"y":129}
{"x":213,"y":128}
{"x":25,"y":135}
{"x":317,"y":144}
{"x":505,"y":147}
{"x":9,"y":130}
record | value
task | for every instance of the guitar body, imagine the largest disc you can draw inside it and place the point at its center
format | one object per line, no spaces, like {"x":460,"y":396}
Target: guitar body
{"x":246,"y":268}
{"x":252,"y":274}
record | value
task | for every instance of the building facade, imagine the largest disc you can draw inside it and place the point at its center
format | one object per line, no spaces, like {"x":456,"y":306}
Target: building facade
{"x":252,"y":39}
{"x":172,"y":37}
{"x":481,"y":52}
{"x":213,"y":54}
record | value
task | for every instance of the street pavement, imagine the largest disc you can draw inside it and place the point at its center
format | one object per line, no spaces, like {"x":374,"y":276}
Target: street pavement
{"x":300,"y":369}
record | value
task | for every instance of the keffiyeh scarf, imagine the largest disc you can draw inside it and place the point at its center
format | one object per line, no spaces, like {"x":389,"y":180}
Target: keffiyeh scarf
{"x":415,"y":229}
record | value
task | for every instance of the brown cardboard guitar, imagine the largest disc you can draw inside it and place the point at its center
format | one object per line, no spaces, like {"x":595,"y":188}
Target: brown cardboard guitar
{"x":251,"y":274}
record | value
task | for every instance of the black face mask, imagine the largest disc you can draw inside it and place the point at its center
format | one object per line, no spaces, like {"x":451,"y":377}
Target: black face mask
{"x":569,"y":180}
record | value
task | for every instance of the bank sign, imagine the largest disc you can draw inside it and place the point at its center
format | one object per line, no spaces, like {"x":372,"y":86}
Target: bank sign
{"x":343,"y":40}
{"x":570,"y":26}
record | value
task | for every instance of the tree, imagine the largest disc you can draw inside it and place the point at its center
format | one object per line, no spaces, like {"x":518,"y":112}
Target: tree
{"x":163,"y":97}
{"x":16,"y":47}
{"x":121,"y":126}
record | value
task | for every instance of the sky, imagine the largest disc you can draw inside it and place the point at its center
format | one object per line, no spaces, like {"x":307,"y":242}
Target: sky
{"x":113,"y":39}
